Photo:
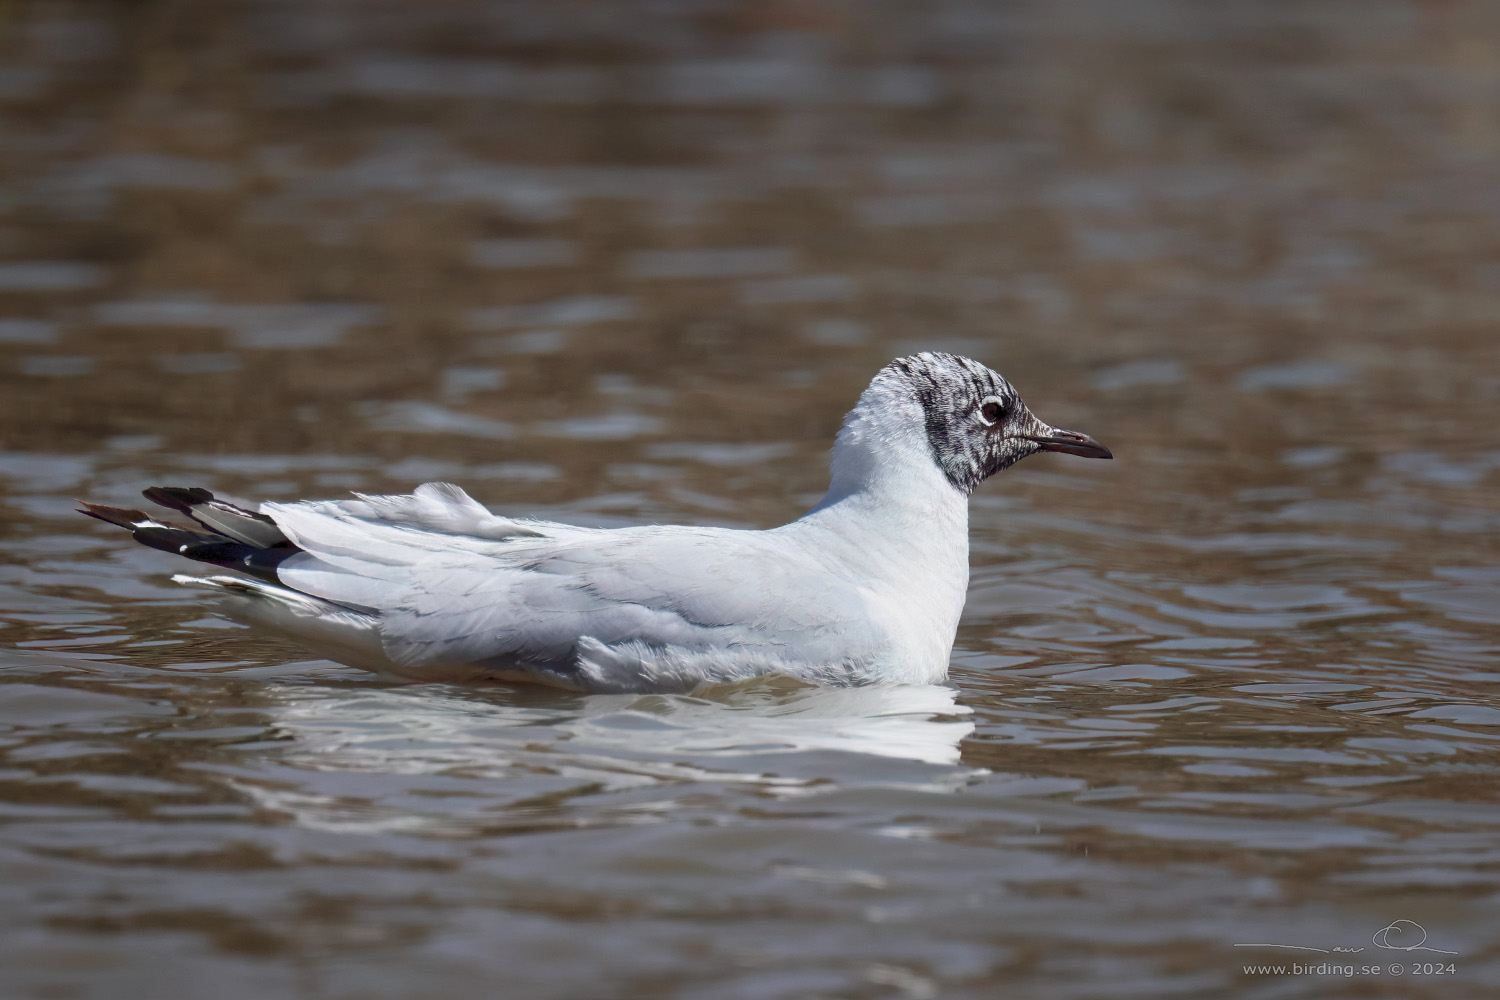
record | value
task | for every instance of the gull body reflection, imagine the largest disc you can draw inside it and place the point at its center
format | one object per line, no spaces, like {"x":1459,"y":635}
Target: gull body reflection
{"x":459,"y":759}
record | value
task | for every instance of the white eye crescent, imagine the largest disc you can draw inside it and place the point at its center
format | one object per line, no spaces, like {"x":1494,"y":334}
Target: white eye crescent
{"x":991,"y":410}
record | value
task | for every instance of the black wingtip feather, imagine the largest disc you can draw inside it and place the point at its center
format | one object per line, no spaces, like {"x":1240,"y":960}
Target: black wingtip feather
{"x":178,"y":498}
{"x":172,"y":538}
{"x":215,"y":549}
{"x":205,"y":542}
{"x":119,"y":516}
{"x":185,"y":498}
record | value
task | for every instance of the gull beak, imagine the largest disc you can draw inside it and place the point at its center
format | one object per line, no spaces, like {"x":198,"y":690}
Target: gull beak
{"x":1067,"y":442}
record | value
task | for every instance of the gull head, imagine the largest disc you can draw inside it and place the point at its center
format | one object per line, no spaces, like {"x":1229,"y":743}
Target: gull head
{"x":974,"y":422}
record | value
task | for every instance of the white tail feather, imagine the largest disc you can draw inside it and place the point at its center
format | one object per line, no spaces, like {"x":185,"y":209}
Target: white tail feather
{"x":340,"y":633}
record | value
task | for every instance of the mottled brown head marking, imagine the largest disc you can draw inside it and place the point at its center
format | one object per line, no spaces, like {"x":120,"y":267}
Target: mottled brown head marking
{"x":970,"y":412}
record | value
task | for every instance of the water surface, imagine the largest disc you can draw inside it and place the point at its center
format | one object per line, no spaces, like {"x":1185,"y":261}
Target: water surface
{"x":623,"y":263}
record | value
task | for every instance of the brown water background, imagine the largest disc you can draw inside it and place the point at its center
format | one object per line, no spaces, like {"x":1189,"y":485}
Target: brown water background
{"x":630,"y":261}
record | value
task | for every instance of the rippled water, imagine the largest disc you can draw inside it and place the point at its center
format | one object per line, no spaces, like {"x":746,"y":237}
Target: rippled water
{"x":619,"y":262}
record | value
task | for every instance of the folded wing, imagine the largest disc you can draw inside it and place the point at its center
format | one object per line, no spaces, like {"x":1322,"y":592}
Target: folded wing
{"x":453,"y":583}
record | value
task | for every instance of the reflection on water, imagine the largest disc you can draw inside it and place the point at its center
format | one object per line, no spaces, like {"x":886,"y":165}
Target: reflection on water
{"x":435,"y":741}
{"x":616,"y":263}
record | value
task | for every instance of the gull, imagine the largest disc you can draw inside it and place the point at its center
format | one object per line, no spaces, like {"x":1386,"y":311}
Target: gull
{"x":866,"y":587}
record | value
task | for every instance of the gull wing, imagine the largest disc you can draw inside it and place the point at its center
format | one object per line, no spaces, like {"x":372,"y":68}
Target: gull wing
{"x":453,"y":583}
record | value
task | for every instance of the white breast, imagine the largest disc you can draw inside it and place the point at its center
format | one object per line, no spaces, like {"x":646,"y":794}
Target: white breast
{"x":893,"y":522}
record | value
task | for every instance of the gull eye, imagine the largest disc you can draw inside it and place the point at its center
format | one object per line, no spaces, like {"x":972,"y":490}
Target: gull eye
{"x":991,"y":411}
